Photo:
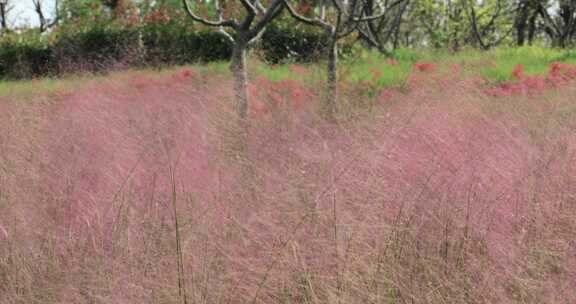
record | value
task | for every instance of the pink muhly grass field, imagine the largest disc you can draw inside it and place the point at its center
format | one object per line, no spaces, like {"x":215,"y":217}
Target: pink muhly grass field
{"x":441,"y":194}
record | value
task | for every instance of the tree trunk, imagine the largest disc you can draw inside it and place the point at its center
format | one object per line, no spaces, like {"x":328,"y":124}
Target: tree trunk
{"x":3,"y":23}
{"x":238,"y":68}
{"x":396,"y":37}
{"x":520,"y":24}
{"x":532,"y":28}
{"x":332,"y":84}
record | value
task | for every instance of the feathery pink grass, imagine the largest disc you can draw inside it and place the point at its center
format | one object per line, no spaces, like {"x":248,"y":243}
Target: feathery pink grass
{"x":441,"y":194}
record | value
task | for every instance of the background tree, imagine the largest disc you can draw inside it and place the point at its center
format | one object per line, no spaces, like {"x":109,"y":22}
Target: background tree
{"x":119,"y":8}
{"x":525,"y":21}
{"x":561,"y":26}
{"x":5,"y":8}
{"x":83,"y":12}
{"x":438,"y":23}
{"x":384,"y":31}
{"x":255,"y":17}
{"x":338,"y":19}
{"x":490,"y":21}
{"x":45,"y":22}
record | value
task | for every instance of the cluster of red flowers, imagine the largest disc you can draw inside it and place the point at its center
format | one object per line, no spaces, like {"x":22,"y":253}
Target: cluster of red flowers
{"x":158,"y":16}
{"x":268,"y":95}
{"x":296,"y":69}
{"x":305,"y":8}
{"x":183,"y":75}
{"x":376,"y":74}
{"x":456,"y":68}
{"x":558,"y":75}
{"x":424,"y":66}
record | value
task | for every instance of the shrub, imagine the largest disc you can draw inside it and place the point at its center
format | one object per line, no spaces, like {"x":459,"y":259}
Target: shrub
{"x":24,"y":57}
{"x":101,"y":46}
{"x":282,"y":43}
{"x":170,"y":45}
{"x":97,"y":50}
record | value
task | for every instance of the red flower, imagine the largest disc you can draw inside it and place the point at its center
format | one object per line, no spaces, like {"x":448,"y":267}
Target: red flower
{"x":298,"y":69}
{"x":376,"y":74}
{"x":456,"y":68}
{"x":518,"y":71}
{"x":424,"y":66}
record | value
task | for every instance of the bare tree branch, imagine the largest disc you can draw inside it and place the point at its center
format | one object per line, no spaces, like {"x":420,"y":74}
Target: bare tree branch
{"x":248,"y":6}
{"x":379,"y":16}
{"x":259,"y":6}
{"x":46,"y":23}
{"x":246,"y":33}
{"x":273,"y":11}
{"x":314,"y":22}
{"x":5,"y":8}
{"x":221,"y":23}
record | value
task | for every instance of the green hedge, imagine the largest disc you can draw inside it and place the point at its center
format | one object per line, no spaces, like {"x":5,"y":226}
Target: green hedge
{"x":20,"y":59}
{"x":102,"y":48}
{"x":96,"y":50}
{"x":172,"y":45}
{"x":281,"y":44}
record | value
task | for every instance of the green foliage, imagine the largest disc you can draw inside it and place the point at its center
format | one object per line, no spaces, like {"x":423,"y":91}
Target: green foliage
{"x":535,"y":61}
{"x":24,"y":56}
{"x":176,"y":43}
{"x":379,"y":71}
{"x":162,"y":39}
{"x":90,"y":38}
{"x":97,"y":49}
{"x":291,"y":44}
{"x":80,"y":14}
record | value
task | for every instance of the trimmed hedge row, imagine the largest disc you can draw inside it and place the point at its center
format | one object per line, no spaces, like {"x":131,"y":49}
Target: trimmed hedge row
{"x":282,"y":44}
{"x":100,"y":49}
{"x":22,"y":60}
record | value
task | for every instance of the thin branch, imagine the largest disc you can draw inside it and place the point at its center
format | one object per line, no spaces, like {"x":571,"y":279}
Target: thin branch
{"x":259,"y":30}
{"x":221,"y":23}
{"x":250,"y":16}
{"x":57,"y":14}
{"x":220,"y":13}
{"x":259,"y":7}
{"x":249,"y":7}
{"x":45,"y":24}
{"x":381,"y":15}
{"x":314,"y":22}
{"x":273,"y":11}
{"x":338,"y":7}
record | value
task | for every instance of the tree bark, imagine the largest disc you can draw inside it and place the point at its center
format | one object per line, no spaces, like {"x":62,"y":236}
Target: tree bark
{"x":520,"y":24}
{"x":238,"y":68}
{"x":3,"y":13}
{"x":532,"y":27}
{"x":332,"y":83}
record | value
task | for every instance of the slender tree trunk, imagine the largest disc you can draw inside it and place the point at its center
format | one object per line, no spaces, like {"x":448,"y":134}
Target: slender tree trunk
{"x":396,"y":37}
{"x":238,"y":68}
{"x":3,"y":22}
{"x":332,"y":84}
{"x":520,"y":24}
{"x":532,"y":28}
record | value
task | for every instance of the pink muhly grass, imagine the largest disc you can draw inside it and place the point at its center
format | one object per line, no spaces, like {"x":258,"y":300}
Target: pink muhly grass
{"x":444,"y":195}
{"x":270,"y":96}
{"x":183,"y":75}
{"x":4,"y":232}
